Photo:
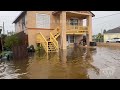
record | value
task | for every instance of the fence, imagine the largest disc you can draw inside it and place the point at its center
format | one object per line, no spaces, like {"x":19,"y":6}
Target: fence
{"x":20,"y":51}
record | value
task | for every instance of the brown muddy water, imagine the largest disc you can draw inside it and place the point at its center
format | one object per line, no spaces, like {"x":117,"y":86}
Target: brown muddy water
{"x":75,"y":63}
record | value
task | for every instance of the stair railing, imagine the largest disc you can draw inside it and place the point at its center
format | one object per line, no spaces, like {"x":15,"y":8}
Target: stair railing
{"x":53,"y":39}
{"x":44,"y":42}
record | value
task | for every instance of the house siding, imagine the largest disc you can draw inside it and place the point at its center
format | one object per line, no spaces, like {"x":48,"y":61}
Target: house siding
{"x":18,"y":25}
{"x":33,"y":33}
{"x":31,"y":18}
{"x":110,"y":36}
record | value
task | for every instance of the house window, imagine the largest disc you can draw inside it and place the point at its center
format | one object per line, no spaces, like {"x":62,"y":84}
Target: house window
{"x":74,"y":21}
{"x":72,"y":39}
{"x":42,"y":21}
{"x":23,"y":23}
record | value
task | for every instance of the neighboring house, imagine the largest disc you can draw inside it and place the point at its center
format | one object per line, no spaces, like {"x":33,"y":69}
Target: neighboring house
{"x":113,"y":33}
{"x":55,"y":29}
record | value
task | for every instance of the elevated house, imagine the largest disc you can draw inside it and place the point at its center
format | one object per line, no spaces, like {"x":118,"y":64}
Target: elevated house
{"x":112,"y":33}
{"x":55,"y":29}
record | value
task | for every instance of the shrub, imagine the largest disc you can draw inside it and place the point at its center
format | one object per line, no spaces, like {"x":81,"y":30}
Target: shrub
{"x":10,"y":41}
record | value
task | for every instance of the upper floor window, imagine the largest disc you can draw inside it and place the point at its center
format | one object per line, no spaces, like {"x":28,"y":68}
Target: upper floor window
{"x":42,"y":21}
{"x":74,"y":21}
{"x":23,"y":23}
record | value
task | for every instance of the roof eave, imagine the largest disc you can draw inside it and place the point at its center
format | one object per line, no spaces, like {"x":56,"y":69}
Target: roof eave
{"x":93,"y":15}
{"x":19,"y":16}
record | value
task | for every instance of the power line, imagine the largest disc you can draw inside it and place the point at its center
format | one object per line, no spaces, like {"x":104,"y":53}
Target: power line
{"x":106,"y":16}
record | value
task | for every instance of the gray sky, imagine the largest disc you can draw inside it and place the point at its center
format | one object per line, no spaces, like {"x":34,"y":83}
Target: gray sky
{"x":107,"y":23}
{"x":99,"y":24}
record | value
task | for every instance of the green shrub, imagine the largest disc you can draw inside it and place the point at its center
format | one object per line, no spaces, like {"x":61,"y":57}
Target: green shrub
{"x":10,"y":41}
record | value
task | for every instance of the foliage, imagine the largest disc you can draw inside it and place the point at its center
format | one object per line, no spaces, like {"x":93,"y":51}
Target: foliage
{"x":39,"y":47}
{"x":99,"y":37}
{"x":104,"y":31}
{"x":10,"y":41}
{"x":3,"y":36}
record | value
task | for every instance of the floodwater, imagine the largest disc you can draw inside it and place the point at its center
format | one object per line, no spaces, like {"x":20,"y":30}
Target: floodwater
{"x":75,"y":63}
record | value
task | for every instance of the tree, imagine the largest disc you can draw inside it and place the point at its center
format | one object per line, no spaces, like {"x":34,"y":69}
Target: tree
{"x":99,"y":37}
{"x":104,"y":31}
{"x":2,"y":41}
{"x":10,"y":41}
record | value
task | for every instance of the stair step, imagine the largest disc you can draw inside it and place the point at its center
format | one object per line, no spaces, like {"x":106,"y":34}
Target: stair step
{"x":50,"y":46}
{"x":52,"y":50}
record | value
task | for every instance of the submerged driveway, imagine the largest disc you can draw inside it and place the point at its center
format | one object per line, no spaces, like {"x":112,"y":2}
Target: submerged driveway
{"x":75,"y":63}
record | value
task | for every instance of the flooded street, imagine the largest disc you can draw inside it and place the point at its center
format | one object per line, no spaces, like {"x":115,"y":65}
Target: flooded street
{"x":75,"y":63}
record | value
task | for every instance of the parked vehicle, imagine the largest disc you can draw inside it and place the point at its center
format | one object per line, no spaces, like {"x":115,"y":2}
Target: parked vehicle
{"x":114,"y":40}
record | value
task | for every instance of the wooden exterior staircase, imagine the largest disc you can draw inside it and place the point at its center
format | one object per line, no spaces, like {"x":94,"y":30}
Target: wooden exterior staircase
{"x":50,"y":44}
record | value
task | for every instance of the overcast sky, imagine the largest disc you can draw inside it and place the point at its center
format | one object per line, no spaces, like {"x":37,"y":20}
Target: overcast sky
{"x":99,"y":24}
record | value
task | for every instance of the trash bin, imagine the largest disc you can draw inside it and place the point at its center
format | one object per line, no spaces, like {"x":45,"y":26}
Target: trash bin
{"x":93,"y":44}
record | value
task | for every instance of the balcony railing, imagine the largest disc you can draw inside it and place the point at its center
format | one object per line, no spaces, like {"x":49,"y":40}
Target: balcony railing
{"x":76,"y":29}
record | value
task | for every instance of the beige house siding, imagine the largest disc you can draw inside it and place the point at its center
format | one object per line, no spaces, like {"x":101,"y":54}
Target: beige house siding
{"x":55,"y":21}
{"x":32,"y":35}
{"x":31,"y":18}
{"x":31,"y":23}
{"x":110,"y":36}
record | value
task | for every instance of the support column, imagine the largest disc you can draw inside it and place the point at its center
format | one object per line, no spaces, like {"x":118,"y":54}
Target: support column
{"x":89,"y":24}
{"x":63,"y":30}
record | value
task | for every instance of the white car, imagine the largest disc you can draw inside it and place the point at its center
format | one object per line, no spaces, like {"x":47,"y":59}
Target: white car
{"x":114,"y":40}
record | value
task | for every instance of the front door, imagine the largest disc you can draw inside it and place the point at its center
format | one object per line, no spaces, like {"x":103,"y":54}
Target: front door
{"x":70,"y":39}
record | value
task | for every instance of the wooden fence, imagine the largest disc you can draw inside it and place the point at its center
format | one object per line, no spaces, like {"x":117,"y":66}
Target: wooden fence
{"x":20,"y":51}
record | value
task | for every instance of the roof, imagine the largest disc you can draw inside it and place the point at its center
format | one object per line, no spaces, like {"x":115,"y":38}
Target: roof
{"x":19,"y":16}
{"x":24,"y":12}
{"x":115,"y":30}
{"x":93,"y":15}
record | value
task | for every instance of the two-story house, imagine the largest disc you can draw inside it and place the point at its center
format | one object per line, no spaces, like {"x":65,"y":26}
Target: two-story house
{"x":55,"y":30}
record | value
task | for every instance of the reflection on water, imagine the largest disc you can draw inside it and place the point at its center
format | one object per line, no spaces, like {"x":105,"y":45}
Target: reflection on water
{"x":73,"y":63}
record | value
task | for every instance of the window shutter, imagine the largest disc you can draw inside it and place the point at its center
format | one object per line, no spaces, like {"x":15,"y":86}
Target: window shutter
{"x":43,"y":21}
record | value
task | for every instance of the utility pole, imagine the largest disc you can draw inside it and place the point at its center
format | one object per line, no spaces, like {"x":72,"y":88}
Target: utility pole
{"x":101,"y":31}
{"x":3,"y":28}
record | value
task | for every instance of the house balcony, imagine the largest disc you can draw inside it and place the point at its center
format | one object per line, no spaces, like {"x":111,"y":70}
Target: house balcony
{"x":76,"y":29}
